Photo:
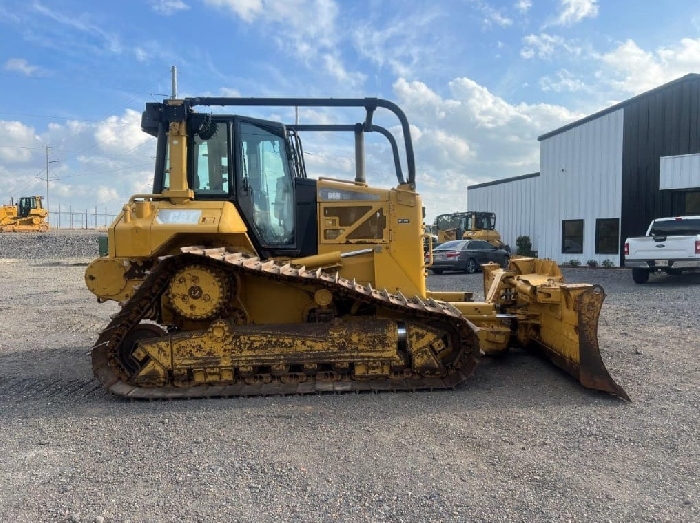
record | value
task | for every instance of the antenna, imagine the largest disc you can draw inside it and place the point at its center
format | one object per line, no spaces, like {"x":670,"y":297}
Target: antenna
{"x":173,"y":72}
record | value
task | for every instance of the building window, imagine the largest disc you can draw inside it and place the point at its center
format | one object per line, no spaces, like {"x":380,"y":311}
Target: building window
{"x":692,"y":202}
{"x":572,"y":236}
{"x":607,"y":233}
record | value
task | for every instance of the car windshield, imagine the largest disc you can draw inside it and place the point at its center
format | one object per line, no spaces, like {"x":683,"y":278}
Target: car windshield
{"x":455,"y":245}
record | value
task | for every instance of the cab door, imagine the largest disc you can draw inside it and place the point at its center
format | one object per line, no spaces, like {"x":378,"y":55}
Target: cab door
{"x":264,"y":184}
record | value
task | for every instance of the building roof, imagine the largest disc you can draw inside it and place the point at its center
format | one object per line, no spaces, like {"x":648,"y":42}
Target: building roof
{"x":503,"y":180}
{"x":682,"y":79}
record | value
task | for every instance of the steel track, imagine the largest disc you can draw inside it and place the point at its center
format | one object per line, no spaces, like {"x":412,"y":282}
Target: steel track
{"x":108,"y":368}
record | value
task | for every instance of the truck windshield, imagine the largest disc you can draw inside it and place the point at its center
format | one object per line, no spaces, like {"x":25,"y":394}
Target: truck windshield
{"x":683,"y":227}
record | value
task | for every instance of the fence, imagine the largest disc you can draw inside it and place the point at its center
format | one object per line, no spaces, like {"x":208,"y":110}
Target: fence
{"x":73,"y":219}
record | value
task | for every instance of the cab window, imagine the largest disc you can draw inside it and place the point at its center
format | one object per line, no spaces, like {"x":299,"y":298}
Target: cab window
{"x":211,"y":166}
{"x":266,"y":181}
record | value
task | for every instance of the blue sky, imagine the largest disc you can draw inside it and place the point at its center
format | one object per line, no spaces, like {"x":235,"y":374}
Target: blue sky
{"x":479,"y":80}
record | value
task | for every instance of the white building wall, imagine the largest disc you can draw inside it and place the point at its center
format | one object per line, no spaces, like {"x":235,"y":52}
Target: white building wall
{"x":580,"y":178}
{"x":680,"y":172}
{"x":514,"y":205}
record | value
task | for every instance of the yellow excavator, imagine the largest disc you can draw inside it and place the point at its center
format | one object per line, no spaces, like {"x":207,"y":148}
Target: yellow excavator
{"x":469,"y":225}
{"x":239,"y":275}
{"x":28,"y":215}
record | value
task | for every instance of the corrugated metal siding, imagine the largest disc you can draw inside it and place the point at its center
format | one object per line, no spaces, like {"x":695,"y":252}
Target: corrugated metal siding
{"x":514,"y":205}
{"x":666,"y":123}
{"x":580,"y":178}
{"x":680,"y":172}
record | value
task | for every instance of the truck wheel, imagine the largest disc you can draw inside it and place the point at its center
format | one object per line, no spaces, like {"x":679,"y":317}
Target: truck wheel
{"x":640,"y":275}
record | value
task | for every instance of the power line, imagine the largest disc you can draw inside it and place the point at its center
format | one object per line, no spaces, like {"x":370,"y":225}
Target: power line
{"x":48,"y":116}
{"x":22,"y":147}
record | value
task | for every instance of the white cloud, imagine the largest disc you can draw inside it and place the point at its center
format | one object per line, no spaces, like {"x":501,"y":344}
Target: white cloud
{"x":22,"y":66}
{"x":18,"y":142}
{"x":121,"y":134}
{"x":564,"y":82}
{"x":541,"y":45}
{"x":471,"y":136}
{"x":523,"y":5}
{"x":230,"y":92}
{"x":106,"y":194}
{"x":335,"y":68}
{"x":140,"y":54}
{"x":573,"y":11}
{"x":491,"y":16}
{"x":306,"y":29}
{"x":248,"y":10}
{"x":545,"y":46}
{"x":97,"y":163}
{"x":82,"y":23}
{"x":307,"y":24}
{"x":5,"y":14}
{"x":631,"y":69}
{"x":403,"y":44}
{"x":168,"y":7}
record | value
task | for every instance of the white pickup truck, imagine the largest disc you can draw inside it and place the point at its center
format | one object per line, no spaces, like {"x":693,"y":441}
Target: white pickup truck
{"x":672,"y":245}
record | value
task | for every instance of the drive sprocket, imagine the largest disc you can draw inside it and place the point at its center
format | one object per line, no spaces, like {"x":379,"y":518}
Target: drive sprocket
{"x":197,"y":292}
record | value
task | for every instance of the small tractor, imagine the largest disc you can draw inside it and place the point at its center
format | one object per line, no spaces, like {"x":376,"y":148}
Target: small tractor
{"x":28,"y":215}
{"x":469,"y":225}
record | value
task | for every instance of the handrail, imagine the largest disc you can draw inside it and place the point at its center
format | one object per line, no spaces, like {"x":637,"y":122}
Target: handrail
{"x":370,"y":105}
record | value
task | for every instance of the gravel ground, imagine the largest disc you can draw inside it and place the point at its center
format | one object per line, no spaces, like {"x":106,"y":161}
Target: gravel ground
{"x":64,"y":245}
{"x":520,"y":441}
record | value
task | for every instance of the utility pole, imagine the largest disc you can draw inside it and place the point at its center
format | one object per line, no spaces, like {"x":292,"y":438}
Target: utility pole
{"x":173,"y":72}
{"x":47,"y":177}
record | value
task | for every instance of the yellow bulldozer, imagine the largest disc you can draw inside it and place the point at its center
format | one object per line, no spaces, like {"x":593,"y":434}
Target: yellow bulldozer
{"x":28,"y":215}
{"x":469,"y":225}
{"x":239,"y":275}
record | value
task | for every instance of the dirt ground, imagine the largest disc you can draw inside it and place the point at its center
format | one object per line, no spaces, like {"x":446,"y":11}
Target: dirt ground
{"x":521,"y":441}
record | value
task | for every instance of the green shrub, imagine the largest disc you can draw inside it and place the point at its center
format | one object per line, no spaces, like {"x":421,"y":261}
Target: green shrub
{"x":608,"y":263}
{"x":574,"y":263}
{"x":592,"y":263}
{"x":524,"y":246}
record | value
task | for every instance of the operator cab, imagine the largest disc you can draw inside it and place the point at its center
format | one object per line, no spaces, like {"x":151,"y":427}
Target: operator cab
{"x":27,"y":204}
{"x":250,"y":163}
{"x":258,"y":165}
{"x":481,"y":221}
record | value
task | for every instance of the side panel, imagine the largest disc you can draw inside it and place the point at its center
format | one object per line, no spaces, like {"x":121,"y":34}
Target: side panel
{"x":380,"y":228}
{"x":149,"y":227}
{"x":665,"y":123}
{"x":680,"y":172}
{"x":514,"y":205}
{"x":580,"y":179}
{"x":306,"y":217}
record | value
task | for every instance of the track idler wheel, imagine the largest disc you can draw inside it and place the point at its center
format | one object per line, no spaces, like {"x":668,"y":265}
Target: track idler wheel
{"x":131,"y":340}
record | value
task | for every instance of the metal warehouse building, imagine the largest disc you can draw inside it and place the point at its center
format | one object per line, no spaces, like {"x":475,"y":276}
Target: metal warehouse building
{"x":604,"y":177}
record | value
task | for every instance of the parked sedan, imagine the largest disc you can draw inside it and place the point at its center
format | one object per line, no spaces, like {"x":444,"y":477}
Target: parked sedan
{"x":466,"y":255}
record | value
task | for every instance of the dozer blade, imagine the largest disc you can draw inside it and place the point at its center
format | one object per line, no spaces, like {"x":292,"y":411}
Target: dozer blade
{"x":557,"y":320}
{"x":583,"y":360}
